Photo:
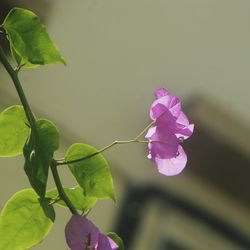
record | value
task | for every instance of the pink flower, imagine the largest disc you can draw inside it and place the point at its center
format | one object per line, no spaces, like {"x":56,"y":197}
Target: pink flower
{"x":171,"y":127}
{"x":82,"y":234}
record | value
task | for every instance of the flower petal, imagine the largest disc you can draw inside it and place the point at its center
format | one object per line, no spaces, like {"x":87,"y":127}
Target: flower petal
{"x":151,"y":132}
{"x":168,"y":102}
{"x":171,"y":126}
{"x":79,"y":230}
{"x":162,"y":144}
{"x":172,"y":166}
{"x":185,"y":132}
{"x":166,"y":122}
{"x":183,"y":128}
{"x":157,"y":110}
{"x":182,"y":119}
{"x":161,"y":92}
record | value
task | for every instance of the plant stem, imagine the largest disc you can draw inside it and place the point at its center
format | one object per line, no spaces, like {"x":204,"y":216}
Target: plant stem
{"x":32,"y":122}
{"x":63,"y":162}
{"x":13,"y":74}
{"x":99,"y":151}
{"x":63,"y":196}
{"x":144,"y":130}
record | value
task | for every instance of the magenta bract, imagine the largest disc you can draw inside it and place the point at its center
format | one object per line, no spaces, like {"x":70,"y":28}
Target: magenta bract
{"x":171,"y":127}
{"x":82,"y":234}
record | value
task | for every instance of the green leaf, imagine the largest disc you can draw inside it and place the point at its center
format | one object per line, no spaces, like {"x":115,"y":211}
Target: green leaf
{"x":117,"y":240}
{"x":29,"y":41}
{"x":25,"y":221}
{"x":77,"y":198}
{"x":38,"y":153}
{"x":92,"y":174}
{"x":13,"y":131}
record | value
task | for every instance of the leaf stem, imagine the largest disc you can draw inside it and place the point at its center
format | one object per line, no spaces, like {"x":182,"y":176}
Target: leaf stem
{"x":136,"y":139}
{"x":144,"y":130}
{"x":62,"y":194}
{"x":97,"y":152}
{"x":13,"y":74}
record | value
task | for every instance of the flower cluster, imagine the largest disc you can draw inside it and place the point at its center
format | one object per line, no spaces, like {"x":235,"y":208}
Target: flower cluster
{"x":171,"y":127}
{"x":82,"y":234}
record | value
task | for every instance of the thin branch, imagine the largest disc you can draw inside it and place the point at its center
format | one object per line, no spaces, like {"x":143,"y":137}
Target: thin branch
{"x":62,"y":194}
{"x":13,"y":74}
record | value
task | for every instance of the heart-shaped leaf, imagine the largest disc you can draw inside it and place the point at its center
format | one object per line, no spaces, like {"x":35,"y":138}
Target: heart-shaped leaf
{"x":38,"y":153}
{"x":25,"y":221}
{"x":29,"y":41}
{"x":93,"y":173}
{"x":14,"y":131}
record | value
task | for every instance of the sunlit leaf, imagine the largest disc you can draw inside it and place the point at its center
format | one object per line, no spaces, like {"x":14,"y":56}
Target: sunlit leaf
{"x":38,"y":152}
{"x":14,"y":131}
{"x":29,"y":41}
{"x":25,"y":221}
{"x":92,"y":174}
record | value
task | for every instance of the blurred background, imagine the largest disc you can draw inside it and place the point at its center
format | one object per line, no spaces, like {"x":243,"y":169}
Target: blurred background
{"x":118,"y":52}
